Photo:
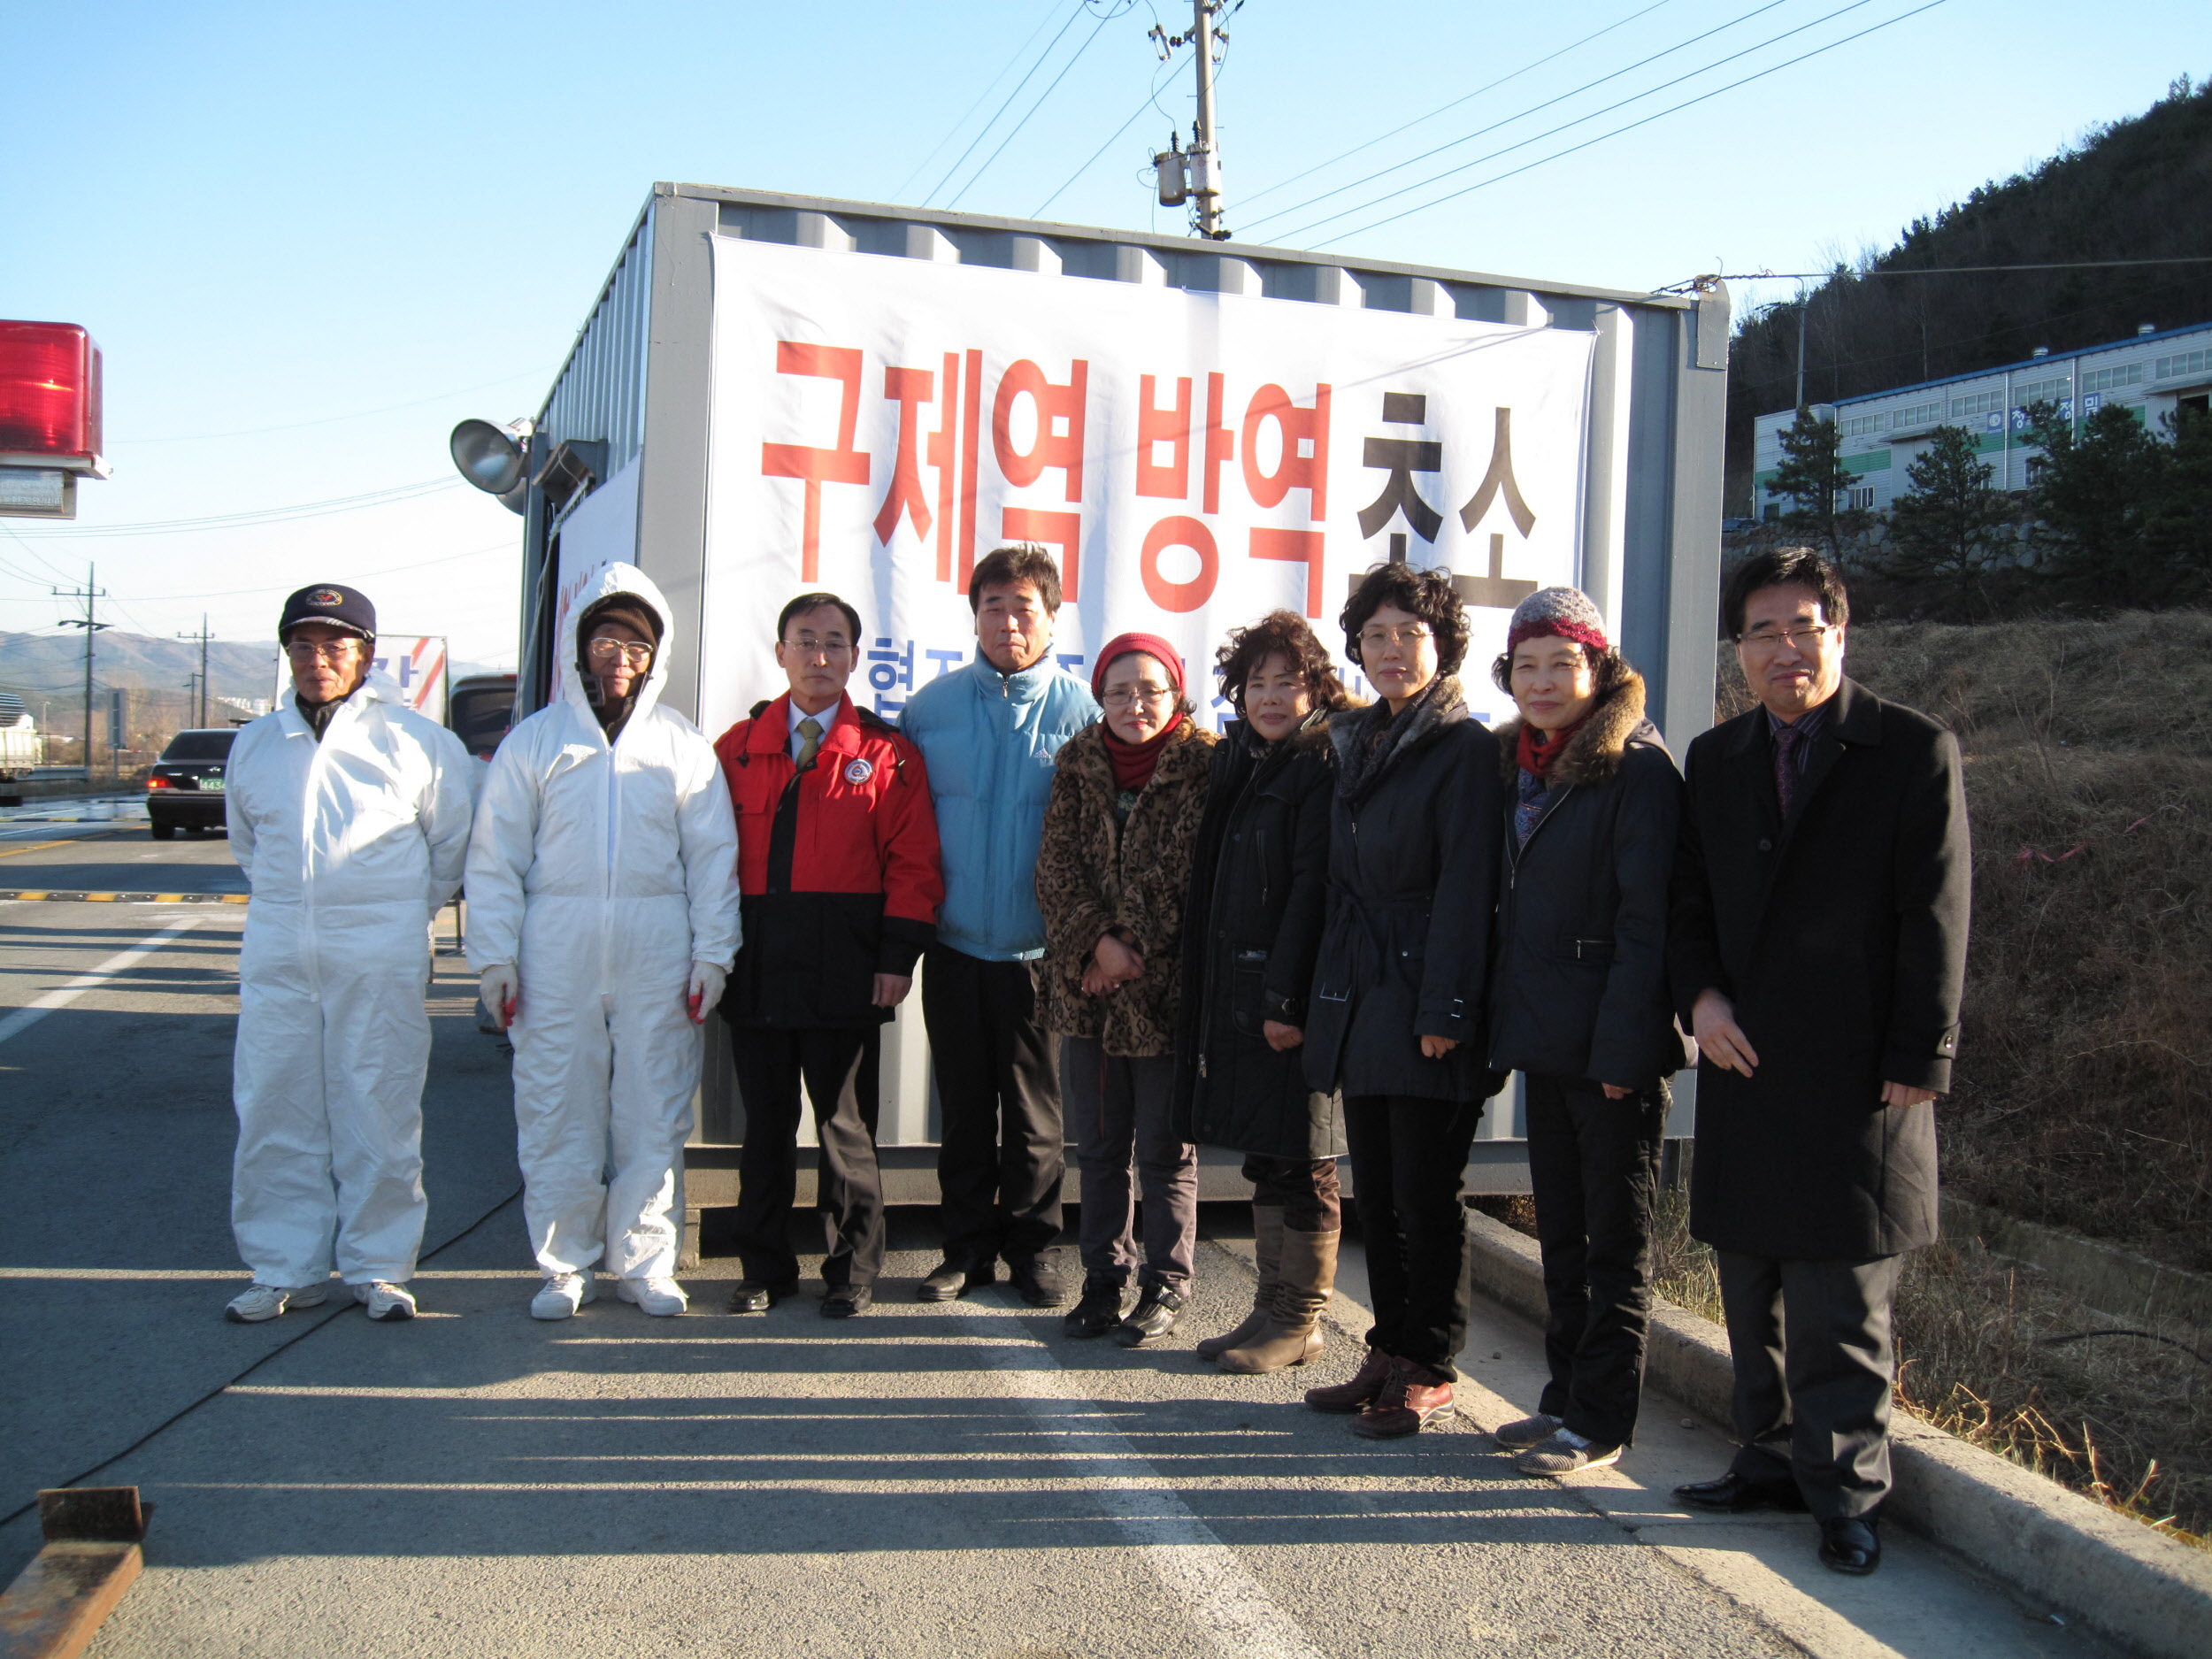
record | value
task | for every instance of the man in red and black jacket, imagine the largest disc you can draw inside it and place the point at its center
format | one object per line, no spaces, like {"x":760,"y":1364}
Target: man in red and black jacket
{"x":837,"y":864}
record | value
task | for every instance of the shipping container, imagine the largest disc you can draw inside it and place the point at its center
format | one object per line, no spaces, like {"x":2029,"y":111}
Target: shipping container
{"x":774,"y":393}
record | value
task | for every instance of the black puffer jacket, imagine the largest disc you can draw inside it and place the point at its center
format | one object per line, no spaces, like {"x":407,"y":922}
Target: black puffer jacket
{"x":1413,"y":878}
{"x":1252,"y":929}
{"x":1580,"y":987}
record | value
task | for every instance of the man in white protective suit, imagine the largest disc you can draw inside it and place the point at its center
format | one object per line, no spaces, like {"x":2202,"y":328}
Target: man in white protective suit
{"x":603,"y":917}
{"x":350,"y":814}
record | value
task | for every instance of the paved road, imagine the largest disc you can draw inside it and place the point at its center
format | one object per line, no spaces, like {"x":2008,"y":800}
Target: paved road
{"x":931,"y":1479}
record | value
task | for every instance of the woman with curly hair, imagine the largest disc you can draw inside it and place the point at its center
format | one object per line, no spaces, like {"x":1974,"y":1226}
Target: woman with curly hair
{"x":1396,"y":1019}
{"x":1111,"y":873}
{"x":1258,"y":881}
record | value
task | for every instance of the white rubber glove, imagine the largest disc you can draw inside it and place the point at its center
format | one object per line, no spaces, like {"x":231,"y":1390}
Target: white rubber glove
{"x":502,"y":994}
{"x":707,"y":982}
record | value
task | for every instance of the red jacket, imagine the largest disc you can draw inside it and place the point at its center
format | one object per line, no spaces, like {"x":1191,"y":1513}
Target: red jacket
{"x":837,"y":866}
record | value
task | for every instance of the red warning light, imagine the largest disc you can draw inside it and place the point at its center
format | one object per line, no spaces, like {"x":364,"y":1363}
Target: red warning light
{"x":50,"y":396}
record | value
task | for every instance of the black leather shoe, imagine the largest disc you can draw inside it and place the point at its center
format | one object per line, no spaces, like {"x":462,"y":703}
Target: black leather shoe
{"x":1097,"y":1312}
{"x":1037,"y":1281}
{"x":844,"y":1301}
{"x":1850,"y":1545}
{"x":758,"y":1295}
{"x":1153,"y":1317}
{"x":950,"y":1280}
{"x":1733,"y":1494}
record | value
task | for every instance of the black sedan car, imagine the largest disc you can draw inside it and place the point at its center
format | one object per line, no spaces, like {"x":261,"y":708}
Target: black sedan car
{"x":186,"y":788}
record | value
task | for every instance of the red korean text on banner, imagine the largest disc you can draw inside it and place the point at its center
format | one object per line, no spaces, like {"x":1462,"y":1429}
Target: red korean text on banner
{"x":1179,"y":530}
{"x":844,"y":465}
{"x":1057,"y":444}
{"x":1156,"y":427}
{"x":908,"y":389}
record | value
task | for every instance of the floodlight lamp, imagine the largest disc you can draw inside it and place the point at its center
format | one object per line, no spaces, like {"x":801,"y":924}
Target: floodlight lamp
{"x":496,"y":459}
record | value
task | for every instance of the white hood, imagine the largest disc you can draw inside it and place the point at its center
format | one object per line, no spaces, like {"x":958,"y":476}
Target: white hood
{"x":603,"y":582}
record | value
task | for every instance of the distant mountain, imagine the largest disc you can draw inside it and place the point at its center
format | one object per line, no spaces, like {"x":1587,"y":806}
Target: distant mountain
{"x":52,"y":665}
{"x":2132,"y":190}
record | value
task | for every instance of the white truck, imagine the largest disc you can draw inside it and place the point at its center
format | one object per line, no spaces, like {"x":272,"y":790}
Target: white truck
{"x":22,"y":749}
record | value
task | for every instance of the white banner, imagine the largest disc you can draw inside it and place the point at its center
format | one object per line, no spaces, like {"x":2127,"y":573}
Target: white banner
{"x":1193,"y":459}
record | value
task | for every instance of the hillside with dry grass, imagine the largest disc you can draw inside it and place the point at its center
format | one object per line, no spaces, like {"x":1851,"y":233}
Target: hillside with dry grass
{"x":2083,"y":1093}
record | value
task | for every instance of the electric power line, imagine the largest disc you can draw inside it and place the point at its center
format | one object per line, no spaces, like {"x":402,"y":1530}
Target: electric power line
{"x":1151,"y":100}
{"x":1006,"y":102}
{"x":1629,"y":127}
{"x":329,"y":420}
{"x":952,"y":132}
{"x":1936,"y":270}
{"x":1323,"y":166}
{"x":254,"y":518}
{"x":1397,"y":166}
{"x":1013,"y":132}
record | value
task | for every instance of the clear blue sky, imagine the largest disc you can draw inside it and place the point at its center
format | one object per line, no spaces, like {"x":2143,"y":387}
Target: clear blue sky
{"x":356,"y":224}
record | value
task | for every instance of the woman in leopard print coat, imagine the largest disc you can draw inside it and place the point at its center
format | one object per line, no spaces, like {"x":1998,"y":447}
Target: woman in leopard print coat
{"x":1113,"y":871}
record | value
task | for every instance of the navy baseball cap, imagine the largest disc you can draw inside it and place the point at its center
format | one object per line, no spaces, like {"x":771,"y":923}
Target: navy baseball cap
{"x":333,"y":603}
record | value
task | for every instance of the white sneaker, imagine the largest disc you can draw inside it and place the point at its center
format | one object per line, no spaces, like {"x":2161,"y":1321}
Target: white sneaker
{"x":562,"y":1294}
{"x":259,"y":1301}
{"x":659,"y":1297}
{"x":386,"y":1301}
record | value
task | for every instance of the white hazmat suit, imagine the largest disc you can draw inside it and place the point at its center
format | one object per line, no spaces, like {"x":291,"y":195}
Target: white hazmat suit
{"x":601,"y":872}
{"x":351,"y":845}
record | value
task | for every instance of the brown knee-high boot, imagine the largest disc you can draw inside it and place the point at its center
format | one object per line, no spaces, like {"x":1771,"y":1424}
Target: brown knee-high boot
{"x":1267,"y":1251}
{"x":1292,"y":1334}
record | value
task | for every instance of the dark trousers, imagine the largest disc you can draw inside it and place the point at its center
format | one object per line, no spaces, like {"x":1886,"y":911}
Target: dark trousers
{"x":1594,"y":1163}
{"x":1409,"y":1155}
{"x":841,"y":1070}
{"x":1305,"y":1190}
{"x":1123,"y":1111}
{"x":1001,"y":1151}
{"x":1811,"y":1342}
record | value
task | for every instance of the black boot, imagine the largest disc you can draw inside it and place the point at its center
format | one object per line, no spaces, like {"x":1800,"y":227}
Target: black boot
{"x":1098,"y":1312}
{"x":1153,"y":1317}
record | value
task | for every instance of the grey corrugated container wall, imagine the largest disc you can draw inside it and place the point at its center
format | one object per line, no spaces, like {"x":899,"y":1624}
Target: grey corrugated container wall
{"x":636,"y":387}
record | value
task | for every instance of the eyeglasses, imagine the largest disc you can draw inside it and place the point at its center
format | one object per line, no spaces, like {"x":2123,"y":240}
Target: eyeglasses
{"x":1376,"y":639}
{"x":1805,"y":637}
{"x":312,"y":651}
{"x":810,"y":646}
{"x":628,"y":651}
{"x":1151,"y":696}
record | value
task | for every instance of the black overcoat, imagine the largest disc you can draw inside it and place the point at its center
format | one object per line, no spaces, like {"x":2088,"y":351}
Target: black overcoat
{"x":1252,"y":929}
{"x":1579,"y":988}
{"x":1840,"y":937}
{"x":1413,"y":881}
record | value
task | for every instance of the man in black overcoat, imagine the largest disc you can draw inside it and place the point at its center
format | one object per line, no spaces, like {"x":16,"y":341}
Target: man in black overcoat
{"x":1818,"y":946}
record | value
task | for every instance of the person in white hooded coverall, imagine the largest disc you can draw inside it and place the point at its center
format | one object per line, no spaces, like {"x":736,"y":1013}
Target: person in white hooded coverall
{"x":350,"y":814}
{"x":603,"y":917}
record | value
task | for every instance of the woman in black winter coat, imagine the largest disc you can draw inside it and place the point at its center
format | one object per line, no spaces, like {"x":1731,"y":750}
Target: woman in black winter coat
{"x":1580,"y":1006}
{"x":1396,"y":1018}
{"x":1254,"y":924}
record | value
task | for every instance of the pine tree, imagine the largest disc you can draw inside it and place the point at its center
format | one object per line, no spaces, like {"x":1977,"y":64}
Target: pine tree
{"x":1951,"y":530}
{"x":1812,"y":476}
{"x":2095,"y":496}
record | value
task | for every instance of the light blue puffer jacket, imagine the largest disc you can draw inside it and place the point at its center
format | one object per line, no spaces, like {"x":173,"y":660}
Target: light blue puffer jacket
{"x":989,"y":740}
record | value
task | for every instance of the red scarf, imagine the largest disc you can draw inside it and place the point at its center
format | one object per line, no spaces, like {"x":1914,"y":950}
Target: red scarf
{"x":1537,"y":752}
{"x":1134,"y":763}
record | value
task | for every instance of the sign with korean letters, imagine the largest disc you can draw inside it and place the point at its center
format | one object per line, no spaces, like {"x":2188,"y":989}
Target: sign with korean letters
{"x":1191,"y":459}
{"x":415,"y":662}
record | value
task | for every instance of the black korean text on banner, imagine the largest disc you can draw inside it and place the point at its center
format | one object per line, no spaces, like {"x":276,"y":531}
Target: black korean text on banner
{"x":1495,"y":591}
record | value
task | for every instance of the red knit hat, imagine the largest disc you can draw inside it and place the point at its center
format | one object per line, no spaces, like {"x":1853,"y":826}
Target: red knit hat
{"x":1151,"y":644}
{"x":1565,"y":611}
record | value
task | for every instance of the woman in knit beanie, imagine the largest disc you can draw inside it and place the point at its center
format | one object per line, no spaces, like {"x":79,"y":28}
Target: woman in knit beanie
{"x":1580,"y":1006}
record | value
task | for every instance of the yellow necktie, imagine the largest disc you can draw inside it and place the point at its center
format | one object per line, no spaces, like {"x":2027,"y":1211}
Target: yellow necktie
{"x":810,"y":729}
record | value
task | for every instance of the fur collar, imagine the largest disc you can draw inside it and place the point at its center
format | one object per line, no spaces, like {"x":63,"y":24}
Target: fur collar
{"x":1594,"y":754}
{"x":1371,"y":741}
{"x":1187,"y":755}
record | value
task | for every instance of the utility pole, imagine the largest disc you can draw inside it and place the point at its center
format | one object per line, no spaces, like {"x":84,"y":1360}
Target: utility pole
{"x":90,"y":594}
{"x":202,"y":636}
{"x":1804,"y":304}
{"x":1205,"y":156}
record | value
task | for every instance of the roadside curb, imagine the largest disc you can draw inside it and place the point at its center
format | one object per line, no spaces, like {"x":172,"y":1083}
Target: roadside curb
{"x":2114,"y":1574}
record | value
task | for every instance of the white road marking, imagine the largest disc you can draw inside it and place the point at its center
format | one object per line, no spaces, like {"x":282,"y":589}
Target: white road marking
{"x":1224,"y":1601}
{"x":24,"y":1017}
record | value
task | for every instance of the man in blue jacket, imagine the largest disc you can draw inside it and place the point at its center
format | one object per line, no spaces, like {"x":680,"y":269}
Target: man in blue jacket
{"x":989,"y":732}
